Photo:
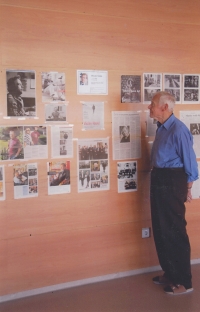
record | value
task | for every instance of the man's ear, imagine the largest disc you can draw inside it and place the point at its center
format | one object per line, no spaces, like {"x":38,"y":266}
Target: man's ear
{"x":165,"y":107}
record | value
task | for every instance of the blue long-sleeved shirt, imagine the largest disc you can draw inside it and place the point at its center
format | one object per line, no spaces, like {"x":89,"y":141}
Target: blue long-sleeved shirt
{"x":173,"y":147}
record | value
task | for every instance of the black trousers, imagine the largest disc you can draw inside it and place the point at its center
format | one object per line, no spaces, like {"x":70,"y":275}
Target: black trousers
{"x":168,"y":194}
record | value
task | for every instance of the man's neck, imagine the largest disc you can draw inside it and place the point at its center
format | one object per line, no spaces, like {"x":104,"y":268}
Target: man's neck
{"x":165,"y":117}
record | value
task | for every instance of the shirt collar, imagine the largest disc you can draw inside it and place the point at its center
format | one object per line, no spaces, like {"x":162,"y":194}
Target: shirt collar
{"x":167,"y":123}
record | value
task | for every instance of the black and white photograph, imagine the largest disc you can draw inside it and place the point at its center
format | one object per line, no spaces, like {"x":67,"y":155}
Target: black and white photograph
{"x":172,"y":83}
{"x":55,"y":112}
{"x":93,"y":166}
{"x":127,"y":176}
{"x":130,"y":89}
{"x":195,"y":128}
{"x":191,"y":81}
{"x":152,"y":83}
{"x":124,"y":132}
{"x":53,"y":87}
{"x":191,"y":96}
{"x":21,"y":95}
{"x":191,"y":89}
{"x":84,"y":179}
{"x":152,"y":80}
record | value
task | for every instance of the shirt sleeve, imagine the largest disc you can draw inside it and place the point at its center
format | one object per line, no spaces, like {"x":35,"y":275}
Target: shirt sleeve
{"x":187,"y":154}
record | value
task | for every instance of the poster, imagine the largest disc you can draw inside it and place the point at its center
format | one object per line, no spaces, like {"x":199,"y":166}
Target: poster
{"x":190,"y":89}
{"x":126,"y":134}
{"x":192,"y":120}
{"x":21,"y":94}
{"x":130,"y":89}
{"x":53,"y":86}
{"x":152,"y":83}
{"x":58,"y":177}
{"x":172,"y":84}
{"x":92,"y":82}
{"x":127,"y":176}
{"x":23,"y":142}
{"x":93,"y":165}
{"x":25,"y":180}
{"x":93,"y":115}
{"x":61,"y":141}
{"x":2,"y":184}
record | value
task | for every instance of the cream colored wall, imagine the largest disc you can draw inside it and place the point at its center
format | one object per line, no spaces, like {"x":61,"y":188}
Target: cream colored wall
{"x":55,"y":239}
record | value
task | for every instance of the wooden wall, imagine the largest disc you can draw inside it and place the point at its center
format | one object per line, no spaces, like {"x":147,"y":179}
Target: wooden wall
{"x":55,"y":239}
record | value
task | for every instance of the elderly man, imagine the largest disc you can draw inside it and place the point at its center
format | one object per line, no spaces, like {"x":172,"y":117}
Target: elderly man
{"x":174,"y":168}
{"x":15,"y":104}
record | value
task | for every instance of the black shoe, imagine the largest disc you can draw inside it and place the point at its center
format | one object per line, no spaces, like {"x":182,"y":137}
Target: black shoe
{"x":177,"y":290}
{"x":160,"y":280}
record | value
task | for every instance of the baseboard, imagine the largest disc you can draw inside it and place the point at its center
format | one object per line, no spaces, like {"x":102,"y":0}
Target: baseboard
{"x":52,"y":288}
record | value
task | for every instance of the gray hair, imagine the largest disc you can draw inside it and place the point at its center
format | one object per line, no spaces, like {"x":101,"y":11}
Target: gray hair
{"x":166,"y":98}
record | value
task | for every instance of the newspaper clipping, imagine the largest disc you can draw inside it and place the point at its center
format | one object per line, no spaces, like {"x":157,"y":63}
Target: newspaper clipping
{"x":190,"y":89}
{"x":196,"y":186}
{"x":126,"y":133}
{"x":35,"y":142}
{"x":172,"y":85}
{"x":152,"y":85}
{"x":23,"y":142}
{"x":93,"y":166}
{"x":192,"y":120}
{"x":58,"y":177}
{"x":61,"y":141}
{"x":55,"y":112}
{"x":93,"y":115}
{"x":92,"y":82}
{"x":53,"y":87}
{"x":25,"y":179}
{"x":151,"y":125}
{"x":127,"y":176}
{"x":2,"y":184}
{"x":130,"y":89}
{"x":21,"y":93}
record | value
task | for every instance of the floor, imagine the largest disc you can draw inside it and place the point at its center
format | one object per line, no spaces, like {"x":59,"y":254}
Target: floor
{"x":130,"y":294}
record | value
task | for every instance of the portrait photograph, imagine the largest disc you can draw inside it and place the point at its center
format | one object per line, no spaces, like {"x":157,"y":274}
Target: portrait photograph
{"x":21,"y":93}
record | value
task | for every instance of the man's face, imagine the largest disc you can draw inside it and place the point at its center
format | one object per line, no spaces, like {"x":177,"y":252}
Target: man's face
{"x":154,"y":108}
{"x":12,"y":134}
{"x":125,"y":132}
{"x":18,"y":86}
{"x":62,"y":167}
{"x":84,"y":78}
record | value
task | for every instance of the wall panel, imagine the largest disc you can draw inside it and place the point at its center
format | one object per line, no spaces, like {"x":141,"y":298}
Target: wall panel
{"x":55,"y":239}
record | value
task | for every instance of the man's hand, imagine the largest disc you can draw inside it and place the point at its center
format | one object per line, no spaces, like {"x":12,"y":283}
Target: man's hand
{"x":189,"y":196}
